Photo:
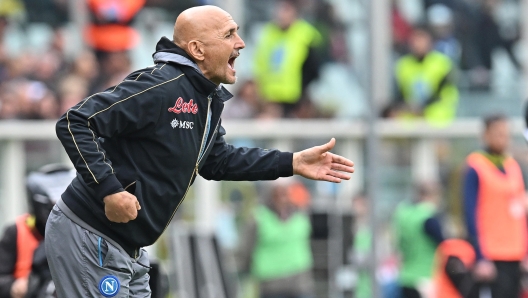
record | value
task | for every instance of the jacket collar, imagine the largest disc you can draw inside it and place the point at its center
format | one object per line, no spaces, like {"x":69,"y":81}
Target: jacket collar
{"x":168,"y":52}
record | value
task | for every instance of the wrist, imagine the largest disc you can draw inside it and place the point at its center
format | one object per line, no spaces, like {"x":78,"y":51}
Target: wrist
{"x":295,"y":163}
{"x":110,"y":185}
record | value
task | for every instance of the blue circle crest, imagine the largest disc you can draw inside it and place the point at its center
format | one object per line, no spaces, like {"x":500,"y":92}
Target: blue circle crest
{"x":109,"y":286}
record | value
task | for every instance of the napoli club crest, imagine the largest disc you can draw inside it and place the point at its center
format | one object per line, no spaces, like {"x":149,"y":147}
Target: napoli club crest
{"x":109,"y":286}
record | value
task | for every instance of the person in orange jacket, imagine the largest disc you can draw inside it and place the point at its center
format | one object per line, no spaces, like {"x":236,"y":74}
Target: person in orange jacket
{"x":494,"y":207}
{"x":109,"y":29}
{"x":454,"y":261}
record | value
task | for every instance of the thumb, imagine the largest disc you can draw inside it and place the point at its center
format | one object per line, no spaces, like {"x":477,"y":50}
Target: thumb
{"x":138,"y":207}
{"x":328,"y":146}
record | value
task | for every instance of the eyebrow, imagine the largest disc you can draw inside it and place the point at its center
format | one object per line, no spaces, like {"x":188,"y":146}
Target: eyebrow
{"x":233,"y":29}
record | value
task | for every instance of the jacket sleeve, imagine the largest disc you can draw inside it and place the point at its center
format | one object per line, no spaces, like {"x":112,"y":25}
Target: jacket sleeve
{"x":130,"y":109}
{"x":471,"y":186}
{"x":8,"y":256}
{"x":226,"y":162}
{"x":433,"y":229}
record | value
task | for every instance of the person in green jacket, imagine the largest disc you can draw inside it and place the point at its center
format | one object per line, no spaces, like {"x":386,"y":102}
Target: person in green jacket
{"x":287,"y":57}
{"x":276,"y":249}
{"x":418,"y":233}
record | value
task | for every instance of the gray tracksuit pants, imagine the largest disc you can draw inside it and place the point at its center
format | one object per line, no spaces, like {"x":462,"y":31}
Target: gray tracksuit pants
{"x":85,"y":263}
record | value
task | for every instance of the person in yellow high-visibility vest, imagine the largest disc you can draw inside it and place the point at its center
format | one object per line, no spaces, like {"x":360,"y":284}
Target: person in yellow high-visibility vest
{"x":287,"y":57}
{"x":424,"y":81}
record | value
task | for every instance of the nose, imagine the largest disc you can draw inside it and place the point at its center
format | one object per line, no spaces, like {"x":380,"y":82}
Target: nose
{"x":239,"y":44}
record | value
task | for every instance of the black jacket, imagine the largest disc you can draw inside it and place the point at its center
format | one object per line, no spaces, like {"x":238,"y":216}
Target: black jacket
{"x":8,"y":258}
{"x":145,"y":136}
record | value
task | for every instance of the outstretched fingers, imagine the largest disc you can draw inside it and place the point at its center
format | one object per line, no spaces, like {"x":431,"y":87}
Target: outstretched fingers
{"x":341,"y":160}
{"x":339,"y":175}
{"x":342,"y":168}
{"x":333,"y":175}
{"x":331,"y":178}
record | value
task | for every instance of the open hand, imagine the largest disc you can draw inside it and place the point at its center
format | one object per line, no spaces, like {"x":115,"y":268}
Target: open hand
{"x":121,"y":207}
{"x":318,"y":163}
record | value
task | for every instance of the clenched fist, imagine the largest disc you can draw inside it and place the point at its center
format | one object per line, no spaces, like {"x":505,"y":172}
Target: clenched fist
{"x":121,"y":207}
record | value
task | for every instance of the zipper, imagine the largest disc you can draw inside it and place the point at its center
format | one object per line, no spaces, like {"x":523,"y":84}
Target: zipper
{"x":207,"y":148}
{"x":209,"y":99}
{"x":195,"y":171}
{"x":130,"y":185}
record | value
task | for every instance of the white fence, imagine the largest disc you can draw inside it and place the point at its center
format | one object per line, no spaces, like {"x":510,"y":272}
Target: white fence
{"x":349,"y":134}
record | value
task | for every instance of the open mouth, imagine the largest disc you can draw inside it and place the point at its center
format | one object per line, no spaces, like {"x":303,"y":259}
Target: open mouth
{"x":231,"y":61}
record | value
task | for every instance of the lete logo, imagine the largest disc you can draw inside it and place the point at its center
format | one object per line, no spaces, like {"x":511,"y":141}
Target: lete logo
{"x":184,"y":107}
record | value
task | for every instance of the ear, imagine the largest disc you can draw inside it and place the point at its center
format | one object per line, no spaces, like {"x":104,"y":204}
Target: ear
{"x":196,"y":50}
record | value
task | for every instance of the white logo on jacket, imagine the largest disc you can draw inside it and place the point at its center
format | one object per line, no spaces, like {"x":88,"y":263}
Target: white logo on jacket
{"x":182,"y":124}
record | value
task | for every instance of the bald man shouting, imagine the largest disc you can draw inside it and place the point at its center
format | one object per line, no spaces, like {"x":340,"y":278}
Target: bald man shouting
{"x":138,"y":147}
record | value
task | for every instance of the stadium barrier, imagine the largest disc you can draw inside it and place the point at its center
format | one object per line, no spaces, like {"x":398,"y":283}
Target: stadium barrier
{"x":282,"y":133}
{"x":195,"y":246}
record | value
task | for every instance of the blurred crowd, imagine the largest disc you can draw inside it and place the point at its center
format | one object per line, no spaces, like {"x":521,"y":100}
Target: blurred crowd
{"x":451,"y":45}
{"x":437,"y":50}
{"x":45,"y":84}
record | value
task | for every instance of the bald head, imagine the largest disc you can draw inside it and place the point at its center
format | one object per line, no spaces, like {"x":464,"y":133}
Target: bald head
{"x":197,"y":23}
{"x":210,"y":37}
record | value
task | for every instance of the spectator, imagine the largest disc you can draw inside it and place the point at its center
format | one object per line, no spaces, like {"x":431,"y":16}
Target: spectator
{"x":48,"y":107}
{"x":31,"y":96}
{"x":72,"y":90}
{"x":455,"y":259}
{"x":441,"y":21}
{"x":287,"y":57}
{"x":494,"y":210}
{"x":111,"y":36}
{"x":487,"y":43}
{"x":424,"y":81}
{"x":49,"y":65}
{"x":333,"y":32}
{"x":418,"y":233}
{"x":23,"y":237}
{"x":401,"y":29}
{"x":47,"y":68}
{"x":361,"y":250}
{"x":245,"y":105}
{"x":277,"y":247}
{"x":10,"y":8}
{"x":85,"y":67}
{"x":51,"y":12}
{"x":110,"y":29}
{"x":9,"y":107}
{"x":115,"y":67}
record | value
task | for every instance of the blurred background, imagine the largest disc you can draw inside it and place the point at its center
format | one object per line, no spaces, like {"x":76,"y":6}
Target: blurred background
{"x":403,"y":85}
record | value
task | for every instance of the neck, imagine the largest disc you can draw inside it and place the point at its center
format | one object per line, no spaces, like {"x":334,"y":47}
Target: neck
{"x":419,"y":57}
{"x":206,"y":73}
{"x":494,"y":152}
{"x":283,"y":212}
